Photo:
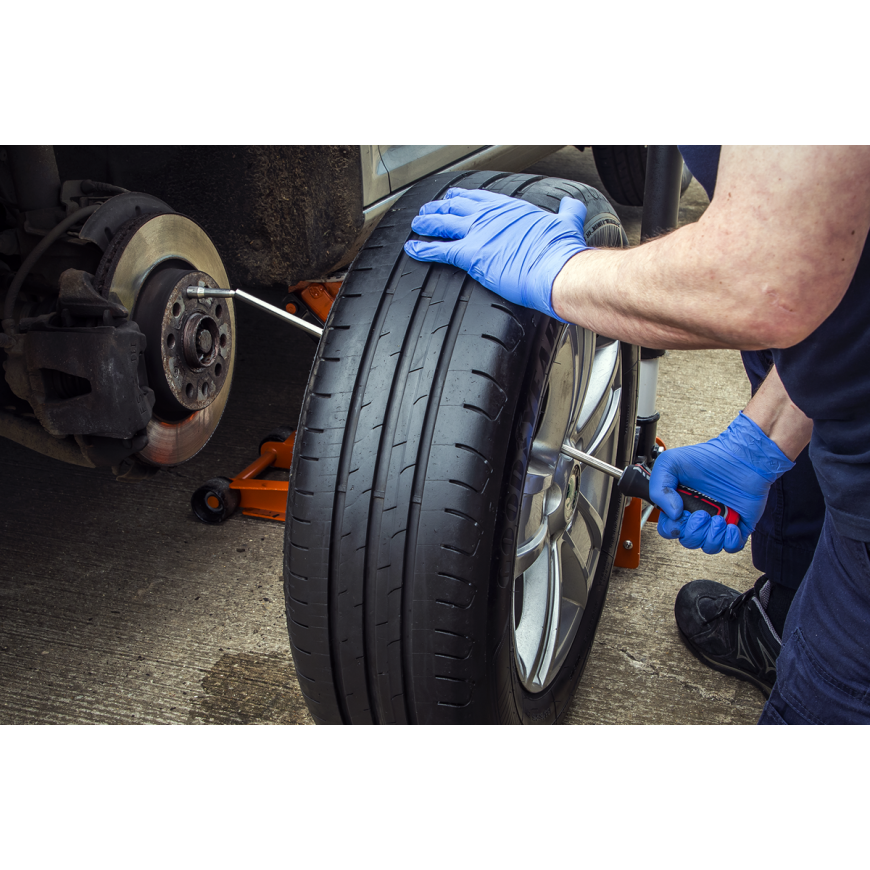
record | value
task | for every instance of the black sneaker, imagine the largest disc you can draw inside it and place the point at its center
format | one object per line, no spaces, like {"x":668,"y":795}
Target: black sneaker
{"x":729,"y":631}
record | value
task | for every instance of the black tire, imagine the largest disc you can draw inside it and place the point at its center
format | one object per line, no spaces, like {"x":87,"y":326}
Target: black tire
{"x":214,"y":502}
{"x":411,"y":457}
{"x":622,"y":169}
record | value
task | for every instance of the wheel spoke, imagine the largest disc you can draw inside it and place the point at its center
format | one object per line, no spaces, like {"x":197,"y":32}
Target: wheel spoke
{"x":563,"y":386}
{"x":535,"y":631}
{"x":607,"y":422}
{"x":575,"y":581}
{"x":583,"y":367}
{"x":592,"y":522}
{"x":598,"y":396}
{"x":574,"y":572}
{"x":529,"y":551}
{"x":554,"y":593}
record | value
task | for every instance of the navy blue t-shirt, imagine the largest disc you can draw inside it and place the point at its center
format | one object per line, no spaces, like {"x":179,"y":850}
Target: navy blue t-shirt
{"x":827,"y":375}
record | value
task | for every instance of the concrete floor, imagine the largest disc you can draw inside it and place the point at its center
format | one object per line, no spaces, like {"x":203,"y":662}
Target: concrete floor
{"x":117,"y":606}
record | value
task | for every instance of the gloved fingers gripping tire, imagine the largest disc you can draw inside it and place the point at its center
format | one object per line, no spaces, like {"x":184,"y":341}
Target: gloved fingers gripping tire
{"x":622,"y":169}
{"x":444,"y":562}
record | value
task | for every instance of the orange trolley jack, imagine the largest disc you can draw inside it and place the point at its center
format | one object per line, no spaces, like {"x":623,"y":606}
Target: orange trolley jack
{"x":219,"y":498}
{"x":636,"y":515}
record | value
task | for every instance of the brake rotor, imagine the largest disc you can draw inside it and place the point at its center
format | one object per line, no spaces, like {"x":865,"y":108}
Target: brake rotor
{"x":191,"y":351}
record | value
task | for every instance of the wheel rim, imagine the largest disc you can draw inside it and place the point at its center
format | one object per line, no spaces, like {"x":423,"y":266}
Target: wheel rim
{"x":565,"y":504}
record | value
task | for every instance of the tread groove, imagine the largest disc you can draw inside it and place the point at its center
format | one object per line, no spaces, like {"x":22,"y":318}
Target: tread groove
{"x":417,"y":486}
{"x":455,"y":513}
{"x":471,"y":450}
{"x":470,"y":407}
{"x":488,"y":377}
{"x":451,"y":548}
{"x":527,"y":184}
{"x":454,"y":605}
{"x":494,"y":338}
{"x":342,"y":476}
{"x":381,"y":472}
{"x":457,"y":579}
{"x":506,"y":310}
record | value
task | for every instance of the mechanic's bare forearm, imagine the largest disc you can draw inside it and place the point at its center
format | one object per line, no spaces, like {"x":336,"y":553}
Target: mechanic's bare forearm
{"x":685,"y":291}
{"x":672,"y":292}
{"x":778,"y":417}
{"x":768,"y":261}
{"x":643,"y":296}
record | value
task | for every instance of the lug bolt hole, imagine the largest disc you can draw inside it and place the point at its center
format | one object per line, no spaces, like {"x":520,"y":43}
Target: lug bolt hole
{"x":205,"y":390}
{"x":218,"y":311}
{"x":176,"y":309}
{"x":170,"y":340}
{"x":189,"y":391}
{"x":223,"y":339}
{"x":217,"y":370}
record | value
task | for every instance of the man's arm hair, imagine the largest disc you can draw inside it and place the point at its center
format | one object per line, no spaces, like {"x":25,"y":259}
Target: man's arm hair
{"x":768,"y":261}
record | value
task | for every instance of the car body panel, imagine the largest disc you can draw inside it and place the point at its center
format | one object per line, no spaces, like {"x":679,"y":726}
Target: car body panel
{"x":393,"y":167}
{"x":387,"y":169}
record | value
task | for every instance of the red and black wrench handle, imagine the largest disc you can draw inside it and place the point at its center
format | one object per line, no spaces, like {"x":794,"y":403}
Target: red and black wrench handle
{"x":635,"y":482}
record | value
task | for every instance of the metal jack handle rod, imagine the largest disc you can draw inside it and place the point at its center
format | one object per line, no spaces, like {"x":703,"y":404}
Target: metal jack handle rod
{"x":208,"y":292}
{"x":661,"y":192}
{"x":661,"y":213}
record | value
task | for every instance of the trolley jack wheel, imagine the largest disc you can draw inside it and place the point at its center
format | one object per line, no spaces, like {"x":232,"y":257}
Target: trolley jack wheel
{"x":214,"y":501}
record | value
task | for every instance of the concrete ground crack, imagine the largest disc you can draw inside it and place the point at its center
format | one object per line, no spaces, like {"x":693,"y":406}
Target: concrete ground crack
{"x":638,"y":663}
{"x":644,"y":665}
{"x":141,"y":593}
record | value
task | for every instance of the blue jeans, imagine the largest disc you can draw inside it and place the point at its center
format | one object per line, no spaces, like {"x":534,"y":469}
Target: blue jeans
{"x":823,"y":671}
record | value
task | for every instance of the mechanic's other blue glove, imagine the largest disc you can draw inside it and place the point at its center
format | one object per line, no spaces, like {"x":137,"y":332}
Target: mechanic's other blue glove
{"x":510,"y":246}
{"x":737,"y":467}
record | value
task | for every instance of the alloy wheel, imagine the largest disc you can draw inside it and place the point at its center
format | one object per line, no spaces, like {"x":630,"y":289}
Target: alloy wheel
{"x":564,"y":503}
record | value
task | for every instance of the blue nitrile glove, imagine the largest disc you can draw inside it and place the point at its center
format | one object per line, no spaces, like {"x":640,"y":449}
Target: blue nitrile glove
{"x":737,"y":467}
{"x":510,"y":246}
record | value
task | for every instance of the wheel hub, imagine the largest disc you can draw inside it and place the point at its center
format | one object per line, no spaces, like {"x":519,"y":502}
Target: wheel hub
{"x":189,"y":341}
{"x":190,"y":355}
{"x":201,"y":334}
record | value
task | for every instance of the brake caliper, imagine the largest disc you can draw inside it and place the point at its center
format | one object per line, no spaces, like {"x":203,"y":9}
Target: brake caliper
{"x":82,"y":371}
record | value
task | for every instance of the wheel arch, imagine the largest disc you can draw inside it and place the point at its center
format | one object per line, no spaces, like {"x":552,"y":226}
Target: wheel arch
{"x":277,"y":214}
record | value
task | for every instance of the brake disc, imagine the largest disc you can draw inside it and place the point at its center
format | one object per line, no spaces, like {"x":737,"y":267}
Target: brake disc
{"x":191,"y":352}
